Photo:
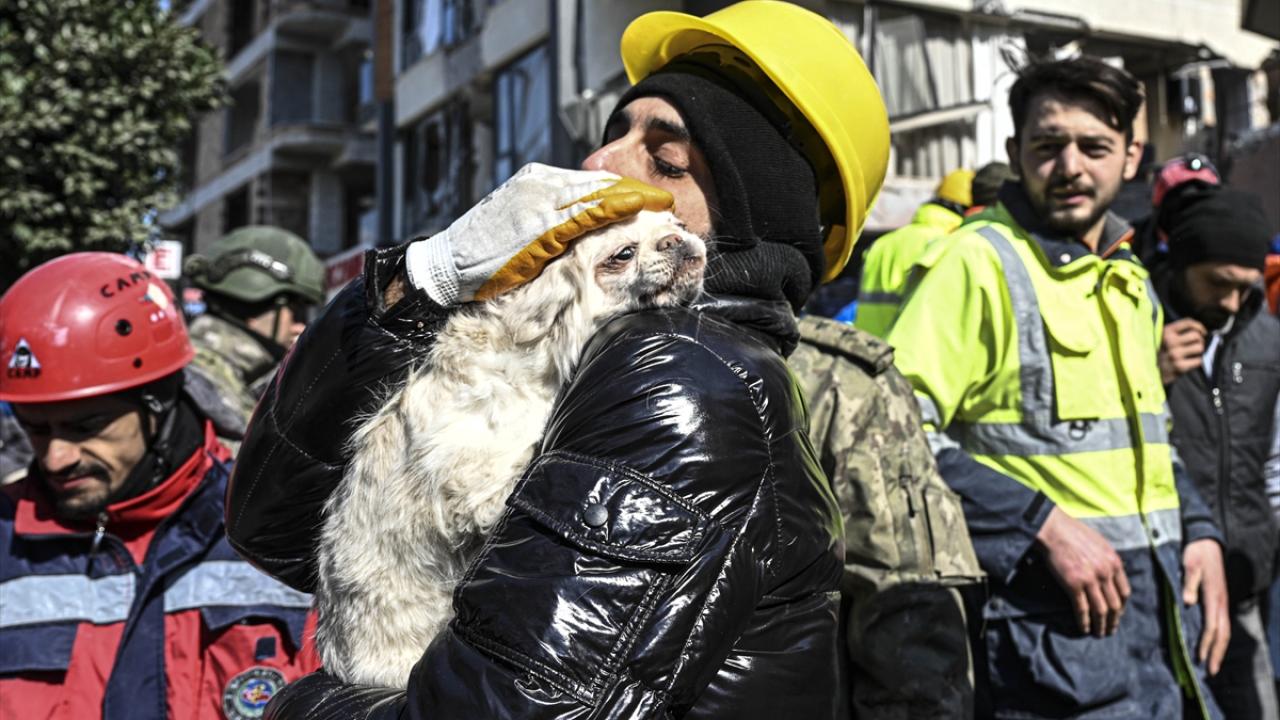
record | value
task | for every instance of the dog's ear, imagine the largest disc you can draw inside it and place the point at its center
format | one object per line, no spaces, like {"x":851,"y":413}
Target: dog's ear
{"x":533,"y":311}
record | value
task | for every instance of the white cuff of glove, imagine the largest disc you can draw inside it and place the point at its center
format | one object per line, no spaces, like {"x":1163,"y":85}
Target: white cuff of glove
{"x":429,"y":265}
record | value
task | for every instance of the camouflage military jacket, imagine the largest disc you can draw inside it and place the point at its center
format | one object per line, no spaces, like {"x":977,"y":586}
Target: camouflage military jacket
{"x":233,"y":359}
{"x":906,"y":542}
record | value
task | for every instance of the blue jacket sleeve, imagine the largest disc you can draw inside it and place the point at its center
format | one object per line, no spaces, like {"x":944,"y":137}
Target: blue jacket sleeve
{"x":1003,"y":514}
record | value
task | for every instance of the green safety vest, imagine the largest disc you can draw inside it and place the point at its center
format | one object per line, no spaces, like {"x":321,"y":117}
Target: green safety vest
{"x":1047,"y":374}
{"x":888,"y":262}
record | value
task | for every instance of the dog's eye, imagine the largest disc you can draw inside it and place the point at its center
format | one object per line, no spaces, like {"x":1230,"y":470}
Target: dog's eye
{"x":624,"y":254}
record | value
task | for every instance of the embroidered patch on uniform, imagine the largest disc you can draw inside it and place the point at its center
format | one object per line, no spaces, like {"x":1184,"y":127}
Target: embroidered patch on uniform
{"x":247,"y":694}
{"x":23,"y":363}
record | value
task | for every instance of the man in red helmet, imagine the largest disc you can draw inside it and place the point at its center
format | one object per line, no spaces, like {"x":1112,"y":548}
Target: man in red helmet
{"x":119,"y":595}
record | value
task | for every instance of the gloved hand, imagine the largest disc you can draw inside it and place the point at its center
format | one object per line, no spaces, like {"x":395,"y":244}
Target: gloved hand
{"x":506,"y":239}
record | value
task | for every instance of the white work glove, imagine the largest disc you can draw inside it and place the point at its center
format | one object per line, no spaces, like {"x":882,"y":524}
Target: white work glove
{"x":508,"y":237}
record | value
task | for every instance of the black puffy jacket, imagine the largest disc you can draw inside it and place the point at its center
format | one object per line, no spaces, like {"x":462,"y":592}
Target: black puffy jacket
{"x":1222,"y":429}
{"x":673,"y":550}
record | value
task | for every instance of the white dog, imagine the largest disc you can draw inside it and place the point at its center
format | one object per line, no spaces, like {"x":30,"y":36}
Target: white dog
{"x":433,"y":468}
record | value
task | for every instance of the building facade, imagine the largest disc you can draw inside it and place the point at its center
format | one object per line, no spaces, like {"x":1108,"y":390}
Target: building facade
{"x":364,"y":122}
{"x":482,"y":87}
{"x":295,"y":147}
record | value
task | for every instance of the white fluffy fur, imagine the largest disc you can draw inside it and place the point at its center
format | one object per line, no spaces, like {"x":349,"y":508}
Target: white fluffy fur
{"x":432,"y":469}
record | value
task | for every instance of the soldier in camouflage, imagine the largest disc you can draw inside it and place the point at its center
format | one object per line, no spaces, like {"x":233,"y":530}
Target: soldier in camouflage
{"x":907,"y":548}
{"x":259,"y":283}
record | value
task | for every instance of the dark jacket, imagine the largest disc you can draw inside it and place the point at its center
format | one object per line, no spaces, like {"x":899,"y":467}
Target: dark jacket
{"x":180,"y":628}
{"x":673,"y":550}
{"x":1222,"y":429}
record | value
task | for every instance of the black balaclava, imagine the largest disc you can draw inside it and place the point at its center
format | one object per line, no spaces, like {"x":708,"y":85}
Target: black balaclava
{"x":1212,"y":224}
{"x":767,"y":239}
{"x":1217,"y":224}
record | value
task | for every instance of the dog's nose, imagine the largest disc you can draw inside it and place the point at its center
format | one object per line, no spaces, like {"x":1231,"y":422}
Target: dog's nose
{"x":669,"y":242}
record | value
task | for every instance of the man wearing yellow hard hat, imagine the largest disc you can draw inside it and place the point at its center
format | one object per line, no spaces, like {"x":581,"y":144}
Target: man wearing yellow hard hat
{"x":675,"y":549}
{"x":889,"y":259}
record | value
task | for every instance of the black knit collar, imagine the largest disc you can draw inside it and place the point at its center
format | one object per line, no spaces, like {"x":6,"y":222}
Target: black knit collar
{"x":770,"y":321}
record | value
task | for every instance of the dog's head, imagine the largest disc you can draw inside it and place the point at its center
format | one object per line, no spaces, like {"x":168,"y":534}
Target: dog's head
{"x":646,"y":262}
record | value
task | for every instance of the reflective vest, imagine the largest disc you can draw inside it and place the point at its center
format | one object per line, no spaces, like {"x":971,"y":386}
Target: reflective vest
{"x":888,"y":262}
{"x":1044,"y":370}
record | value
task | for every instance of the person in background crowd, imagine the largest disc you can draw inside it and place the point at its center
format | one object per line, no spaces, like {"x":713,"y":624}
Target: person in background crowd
{"x":903,"y":577}
{"x":1271,"y":276}
{"x":1187,"y":173}
{"x":119,"y":595}
{"x":1220,"y":362}
{"x":1029,"y":338}
{"x":890,"y":257}
{"x":259,"y":283}
{"x":707,"y":124}
{"x":986,"y":185}
{"x":15,"y":449}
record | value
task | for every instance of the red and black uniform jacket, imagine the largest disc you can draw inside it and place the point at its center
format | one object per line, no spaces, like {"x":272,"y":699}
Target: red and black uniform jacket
{"x":158,"y":619}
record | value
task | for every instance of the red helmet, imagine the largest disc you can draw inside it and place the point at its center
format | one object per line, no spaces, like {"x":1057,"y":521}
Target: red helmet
{"x":1181,"y":170}
{"x":87,"y":324}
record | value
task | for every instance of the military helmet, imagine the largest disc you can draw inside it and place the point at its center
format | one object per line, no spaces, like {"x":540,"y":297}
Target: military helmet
{"x":259,"y":262}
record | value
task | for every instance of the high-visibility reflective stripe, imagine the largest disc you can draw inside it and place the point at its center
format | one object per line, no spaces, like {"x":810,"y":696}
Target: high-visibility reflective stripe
{"x":928,"y":410}
{"x":1039,"y":433}
{"x":1128,"y":532}
{"x":230,"y":583}
{"x":79,"y":598}
{"x":938,"y":441}
{"x":1076,"y":436}
{"x":65,"y":598}
{"x":1035,"y":371}
{"x":881,"y":297}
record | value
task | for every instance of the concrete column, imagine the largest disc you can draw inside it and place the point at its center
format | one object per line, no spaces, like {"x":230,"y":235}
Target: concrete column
{"x":329,"y":89}
{"x":992,"y":80}
{"x":327,"y":213}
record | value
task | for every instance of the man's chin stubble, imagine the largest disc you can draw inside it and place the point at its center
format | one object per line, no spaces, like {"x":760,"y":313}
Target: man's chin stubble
{"x":80,"y":506}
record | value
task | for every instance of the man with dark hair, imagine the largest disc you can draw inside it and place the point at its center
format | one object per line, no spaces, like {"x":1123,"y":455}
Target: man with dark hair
{"x":987,"y":183}
{"x":768,"y":130}
{"x":1028,"y":335}
{"x":119,"y":595}
{"x":1223,"y":396}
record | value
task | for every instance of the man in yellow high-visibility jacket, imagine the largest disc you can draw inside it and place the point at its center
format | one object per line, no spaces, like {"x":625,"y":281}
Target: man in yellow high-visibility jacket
{"x":890,"y":257}
{"x":1030,"y":336}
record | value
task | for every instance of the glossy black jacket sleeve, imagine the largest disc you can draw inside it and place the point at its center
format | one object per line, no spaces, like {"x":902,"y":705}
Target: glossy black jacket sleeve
{"x":295,"y":448}
{"x":673,"y":548}
{"x":320,"y":696}
{"x":655,"y":527}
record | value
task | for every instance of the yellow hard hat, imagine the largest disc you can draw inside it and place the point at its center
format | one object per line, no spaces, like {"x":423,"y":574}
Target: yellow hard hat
{"x":957,"y":187}
{"x":818,"y":81}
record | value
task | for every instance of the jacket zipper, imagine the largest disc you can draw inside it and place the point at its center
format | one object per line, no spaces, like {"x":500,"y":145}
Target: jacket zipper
{"x":1220,"y":409}
{"x":98,"y":534}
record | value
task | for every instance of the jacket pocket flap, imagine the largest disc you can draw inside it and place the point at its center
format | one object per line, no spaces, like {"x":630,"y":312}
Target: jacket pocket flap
{"x":37,"y":648}
{"x":1071,"y":331}
{"x":611,"y":510}
{"x":289,"y":621}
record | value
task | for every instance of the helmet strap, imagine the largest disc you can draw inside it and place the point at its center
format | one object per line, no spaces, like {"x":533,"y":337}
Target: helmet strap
{"x":281,"y":303}
{"x":167,"y":437}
